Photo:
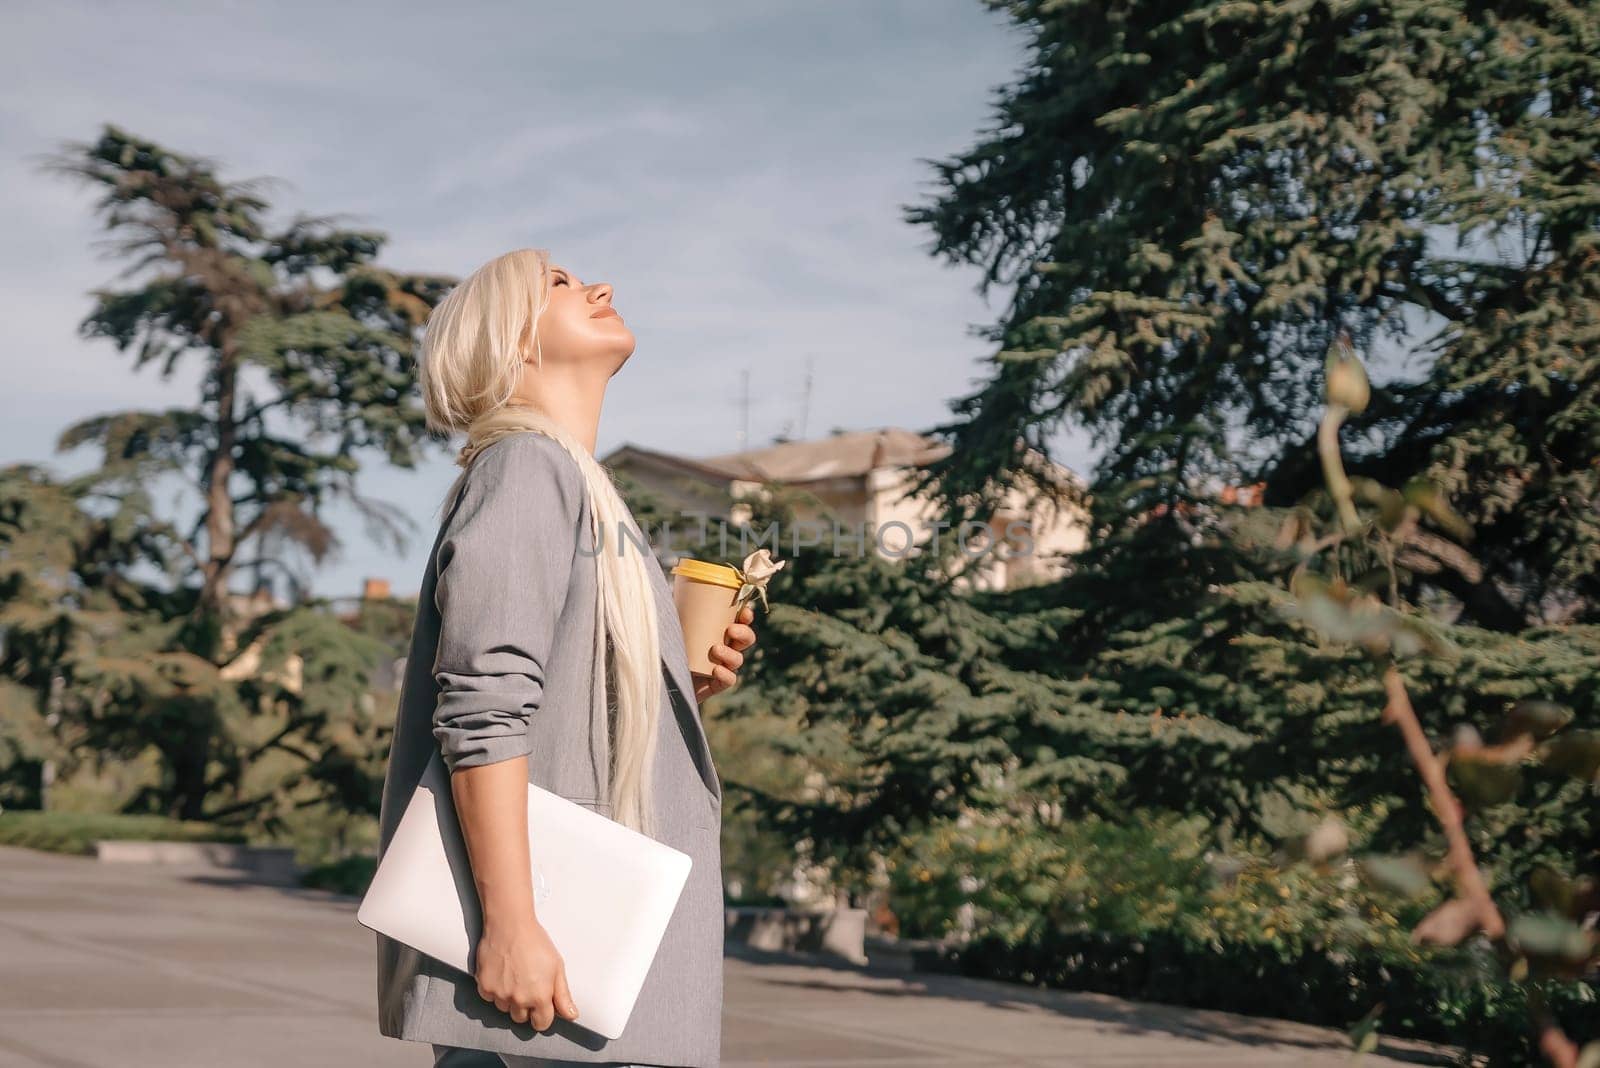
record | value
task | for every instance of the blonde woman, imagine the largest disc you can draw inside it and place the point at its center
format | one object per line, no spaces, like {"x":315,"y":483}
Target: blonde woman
{"x":547,"y":650}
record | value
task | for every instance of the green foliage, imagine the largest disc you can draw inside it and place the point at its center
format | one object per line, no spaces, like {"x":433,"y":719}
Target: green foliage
{"x":1178,"y":680}
{"x":1145,"y":909}
{"x":348,"y":875}
{"x":1465,"y":1006}
{"x":123,"y":632}
{"x":1193,"y":199}
{"x":1150,"y":873}
{"x":880,"y":674}
{"x":76,"y":832}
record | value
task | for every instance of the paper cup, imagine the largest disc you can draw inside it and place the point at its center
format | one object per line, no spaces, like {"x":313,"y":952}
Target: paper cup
{"x":704,"y":594}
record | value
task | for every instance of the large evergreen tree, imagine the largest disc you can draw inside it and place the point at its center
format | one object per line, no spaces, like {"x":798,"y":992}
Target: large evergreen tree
{"x":1194,"y":198}
{"x":306,"y":351}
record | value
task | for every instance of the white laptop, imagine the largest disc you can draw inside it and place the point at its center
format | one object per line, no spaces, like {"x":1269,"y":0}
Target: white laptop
{"x":604,"y":892}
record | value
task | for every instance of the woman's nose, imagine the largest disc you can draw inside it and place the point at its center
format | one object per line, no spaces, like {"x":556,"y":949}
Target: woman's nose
{"x":602,"y":291}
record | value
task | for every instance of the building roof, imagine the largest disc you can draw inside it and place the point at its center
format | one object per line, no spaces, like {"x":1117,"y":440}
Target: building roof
{"x":702,"y":468}
{"x":842,"y":455}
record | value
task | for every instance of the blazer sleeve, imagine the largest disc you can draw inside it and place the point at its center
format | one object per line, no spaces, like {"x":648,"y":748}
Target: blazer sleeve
{"x":504,"y":563}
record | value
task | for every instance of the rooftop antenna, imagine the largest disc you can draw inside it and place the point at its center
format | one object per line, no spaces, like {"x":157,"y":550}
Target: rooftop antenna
{"x":744,"y":409}
{"x":805,"y":398}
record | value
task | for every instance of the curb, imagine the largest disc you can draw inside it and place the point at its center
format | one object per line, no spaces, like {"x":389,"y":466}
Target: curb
{"x":274,"y":864}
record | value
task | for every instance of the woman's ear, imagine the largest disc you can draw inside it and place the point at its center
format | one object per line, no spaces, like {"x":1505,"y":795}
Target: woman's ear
{"x":528,"y":345}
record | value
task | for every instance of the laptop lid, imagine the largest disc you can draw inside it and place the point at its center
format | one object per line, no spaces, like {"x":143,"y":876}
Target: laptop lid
{"x":604,"y":892}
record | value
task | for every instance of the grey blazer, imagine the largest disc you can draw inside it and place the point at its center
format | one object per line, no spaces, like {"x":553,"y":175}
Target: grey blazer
{"x":501,"y":664}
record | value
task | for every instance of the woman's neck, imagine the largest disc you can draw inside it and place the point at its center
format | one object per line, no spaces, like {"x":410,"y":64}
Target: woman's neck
{"x":571,"y":402}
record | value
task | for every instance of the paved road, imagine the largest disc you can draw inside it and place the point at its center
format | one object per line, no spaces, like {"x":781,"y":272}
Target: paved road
{"x":128,"y":966}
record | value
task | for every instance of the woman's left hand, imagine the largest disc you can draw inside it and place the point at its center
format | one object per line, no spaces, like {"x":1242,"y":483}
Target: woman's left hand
{"x":727,"y":656}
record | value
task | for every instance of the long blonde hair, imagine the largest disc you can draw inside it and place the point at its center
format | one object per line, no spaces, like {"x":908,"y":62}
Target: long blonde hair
{"x":473,"y":349}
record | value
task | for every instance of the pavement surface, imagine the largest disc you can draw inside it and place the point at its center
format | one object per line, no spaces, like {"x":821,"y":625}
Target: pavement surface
{"x":131,"y":965}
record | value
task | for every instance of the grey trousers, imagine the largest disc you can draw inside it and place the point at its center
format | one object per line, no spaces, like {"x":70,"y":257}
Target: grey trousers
{"x":456,"y":1057}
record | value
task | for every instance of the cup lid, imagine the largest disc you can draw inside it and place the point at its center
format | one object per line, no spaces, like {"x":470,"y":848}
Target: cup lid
{"x":701,"y":571}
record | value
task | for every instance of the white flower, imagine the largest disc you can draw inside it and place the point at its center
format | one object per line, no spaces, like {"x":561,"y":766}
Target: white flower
{"x":758,"y":568}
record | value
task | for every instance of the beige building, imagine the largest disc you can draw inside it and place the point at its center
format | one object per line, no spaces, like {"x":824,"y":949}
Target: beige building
{"x":859,"y":480}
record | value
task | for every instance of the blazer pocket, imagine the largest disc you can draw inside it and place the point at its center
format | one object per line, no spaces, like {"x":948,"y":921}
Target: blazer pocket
{"x":599,"y":804}
{"x":708,"y":816}
{"x":710,"y":811}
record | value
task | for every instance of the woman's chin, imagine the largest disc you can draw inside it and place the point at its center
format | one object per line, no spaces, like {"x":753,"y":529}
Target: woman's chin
{"x":621,"y":358}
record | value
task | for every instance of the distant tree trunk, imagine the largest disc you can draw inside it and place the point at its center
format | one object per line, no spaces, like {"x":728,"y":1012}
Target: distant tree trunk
{"x":332,"y":336}
{"x":219,"y":506}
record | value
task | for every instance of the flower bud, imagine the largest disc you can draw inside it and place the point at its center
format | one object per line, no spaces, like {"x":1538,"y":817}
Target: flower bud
{"x":1347,"y":381}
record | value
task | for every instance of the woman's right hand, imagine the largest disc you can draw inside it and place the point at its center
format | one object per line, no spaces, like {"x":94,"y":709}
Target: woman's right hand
{"x":519,"y":969}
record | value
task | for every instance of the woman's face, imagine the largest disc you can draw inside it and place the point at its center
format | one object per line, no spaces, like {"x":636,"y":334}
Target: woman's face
{"x":578,"y":324}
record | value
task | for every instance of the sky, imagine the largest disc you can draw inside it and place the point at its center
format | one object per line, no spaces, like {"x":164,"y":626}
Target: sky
{"x":735,"y":169}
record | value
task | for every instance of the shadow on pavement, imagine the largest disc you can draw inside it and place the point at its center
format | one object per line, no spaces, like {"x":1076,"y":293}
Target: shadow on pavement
{"x":1132,"y":1017}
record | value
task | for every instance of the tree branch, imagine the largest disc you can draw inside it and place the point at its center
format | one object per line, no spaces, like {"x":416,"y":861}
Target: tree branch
{"x":1469,"y":880}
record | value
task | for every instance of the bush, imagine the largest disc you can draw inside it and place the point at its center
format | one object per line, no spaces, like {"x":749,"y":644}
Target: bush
{"x":1466,"y":1006}
{"x":349,"y":875}
{"x":1154,"y":872}
{"x":76,"y":832}
{"x":1146,"y":909}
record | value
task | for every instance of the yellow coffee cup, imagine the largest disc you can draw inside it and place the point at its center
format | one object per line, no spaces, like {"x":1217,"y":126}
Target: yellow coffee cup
{"x":704,"y":595}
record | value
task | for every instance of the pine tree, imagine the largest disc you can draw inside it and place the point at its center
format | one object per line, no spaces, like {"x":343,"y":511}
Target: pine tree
{"x":1193,"y":199}
{"x":873,"y":675}
{"x":307,"y":347}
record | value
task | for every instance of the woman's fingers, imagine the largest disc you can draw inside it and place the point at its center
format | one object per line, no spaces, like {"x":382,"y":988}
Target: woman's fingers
{"x":544,"y":1014}
{"x":564,"y":1003}
{"x":524,"y":976}
{"x":725,"y":656}
{"x":739,"y":636}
